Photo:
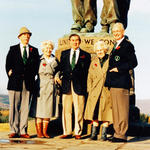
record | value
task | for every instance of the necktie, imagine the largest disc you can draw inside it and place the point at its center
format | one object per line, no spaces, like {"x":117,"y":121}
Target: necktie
{"x":114,"y":46}
{"x":24,"y":55}
{"x":73,"y":60}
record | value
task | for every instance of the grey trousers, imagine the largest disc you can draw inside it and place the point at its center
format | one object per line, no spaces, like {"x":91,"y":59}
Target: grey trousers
{"x":120,"y":110}
{"x":84,"y":11}
{"x":19,"y":110}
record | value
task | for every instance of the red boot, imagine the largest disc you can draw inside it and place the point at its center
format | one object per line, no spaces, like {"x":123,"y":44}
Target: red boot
{"x":45,"y":126}
{"x":39,"y":129}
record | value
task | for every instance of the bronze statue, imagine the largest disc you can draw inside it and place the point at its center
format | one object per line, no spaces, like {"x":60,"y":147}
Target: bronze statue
{"x":108,"y":15}
{"x":84,"y":15}
{"x":122,"y":8}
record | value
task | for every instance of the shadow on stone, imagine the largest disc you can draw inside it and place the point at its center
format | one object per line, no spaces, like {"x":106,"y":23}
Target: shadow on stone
{"x":55,"y":127}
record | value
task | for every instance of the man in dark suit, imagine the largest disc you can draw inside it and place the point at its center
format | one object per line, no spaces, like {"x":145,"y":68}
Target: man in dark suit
{"x":74,"y":65}
{"x":21,"y":68}
{"x":122,"y":59}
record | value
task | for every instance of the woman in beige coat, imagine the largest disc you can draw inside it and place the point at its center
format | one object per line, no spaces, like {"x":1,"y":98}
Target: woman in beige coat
{"x":98,"y":107}
{"x":47,"y":70}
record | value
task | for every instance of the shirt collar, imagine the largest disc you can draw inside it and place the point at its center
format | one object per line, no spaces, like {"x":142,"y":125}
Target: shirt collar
{"x":77,"y":50}
{"x":21,"y":45}
{"x":119,"y":41}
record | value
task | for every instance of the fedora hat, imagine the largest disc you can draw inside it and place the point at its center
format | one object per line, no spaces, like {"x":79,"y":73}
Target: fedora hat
{"x":24,"y":30}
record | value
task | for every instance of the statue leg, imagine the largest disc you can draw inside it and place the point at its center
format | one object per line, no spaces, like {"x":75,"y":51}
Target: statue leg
{"x":108,"y":15}
{"x":122,"y":8}
{"x":105,"y":26}
{"x":77,"y":13}
{"x":90,"y":15}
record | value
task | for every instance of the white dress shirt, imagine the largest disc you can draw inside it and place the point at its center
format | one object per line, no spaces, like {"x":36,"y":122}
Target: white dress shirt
{"x":22,"y":49}
{"x":77,"y":51}
{"x":118,"y":42}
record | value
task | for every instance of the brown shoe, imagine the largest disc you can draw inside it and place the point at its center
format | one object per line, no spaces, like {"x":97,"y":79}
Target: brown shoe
{"x":13,"y":135}
{"x":77,"y":137}
{"x":66,"y":136}
{"x":25,"y":136}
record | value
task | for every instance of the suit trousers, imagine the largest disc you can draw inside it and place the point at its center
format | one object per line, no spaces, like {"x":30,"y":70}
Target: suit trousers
{"x":84,"y":11}
{"x":19,"y":110}
{"x":120,"y":110}
{"x":78,"y":102}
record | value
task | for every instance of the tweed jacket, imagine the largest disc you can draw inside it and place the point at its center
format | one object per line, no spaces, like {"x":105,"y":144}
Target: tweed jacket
{"x":20,"y":71}
{"x":78,"y":76}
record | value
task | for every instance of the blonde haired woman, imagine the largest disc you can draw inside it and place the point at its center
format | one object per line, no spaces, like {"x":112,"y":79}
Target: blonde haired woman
{"x":47,"y":71}
{"x":98,"y":107}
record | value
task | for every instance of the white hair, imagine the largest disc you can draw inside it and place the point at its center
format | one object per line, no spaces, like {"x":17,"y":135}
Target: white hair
{"x":46,"y":43}
{"x":101,"y":45}
{"x":118,"y":25}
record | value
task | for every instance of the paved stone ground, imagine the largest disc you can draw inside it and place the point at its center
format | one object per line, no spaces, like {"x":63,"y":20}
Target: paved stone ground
{"x":55,"y":143}
{"x":70,"y":144}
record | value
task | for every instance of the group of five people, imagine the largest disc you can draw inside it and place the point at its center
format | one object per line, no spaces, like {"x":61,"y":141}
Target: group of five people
{"x":102,"y":80}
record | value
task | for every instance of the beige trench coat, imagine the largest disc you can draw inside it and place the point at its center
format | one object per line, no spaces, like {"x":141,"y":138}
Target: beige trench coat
{"x":97,"y":91}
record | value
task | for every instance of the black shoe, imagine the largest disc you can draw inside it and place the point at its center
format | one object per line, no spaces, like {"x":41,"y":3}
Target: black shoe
{"x":118,"y":140}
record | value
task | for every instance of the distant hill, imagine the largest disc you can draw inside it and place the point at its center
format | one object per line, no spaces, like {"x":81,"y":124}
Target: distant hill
{"x":4,"y":101}
{"x":144,"y":106}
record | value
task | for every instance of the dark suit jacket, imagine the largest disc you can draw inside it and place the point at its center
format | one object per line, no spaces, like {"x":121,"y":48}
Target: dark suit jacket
{"x":20,"y":71}
{"x":124,"y":58}
{"x":78,"y":75}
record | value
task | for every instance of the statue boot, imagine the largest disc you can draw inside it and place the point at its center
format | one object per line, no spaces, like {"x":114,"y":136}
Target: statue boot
{"x":105,"y":29}
{"x":76,"y":27}
{"x":89,"y":27}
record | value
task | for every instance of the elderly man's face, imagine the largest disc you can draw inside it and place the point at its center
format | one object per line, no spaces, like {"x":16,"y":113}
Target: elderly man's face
{"x":24,"y":38}
{"x":118,"y":32}
{"x":100,"y":52}
{"x":74,"y":42}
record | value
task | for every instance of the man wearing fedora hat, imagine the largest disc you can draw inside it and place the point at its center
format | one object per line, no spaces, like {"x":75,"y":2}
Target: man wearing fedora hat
{"x":21,"y":67}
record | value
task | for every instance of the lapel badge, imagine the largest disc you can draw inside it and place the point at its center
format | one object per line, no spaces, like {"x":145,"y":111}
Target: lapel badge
{"x":117,"y":58}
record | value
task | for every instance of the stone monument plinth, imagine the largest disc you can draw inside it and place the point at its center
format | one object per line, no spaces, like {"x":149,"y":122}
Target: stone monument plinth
{"x":87,"y":42}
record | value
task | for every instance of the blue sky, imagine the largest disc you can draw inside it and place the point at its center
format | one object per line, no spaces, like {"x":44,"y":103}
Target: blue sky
{"x":48,"y":19}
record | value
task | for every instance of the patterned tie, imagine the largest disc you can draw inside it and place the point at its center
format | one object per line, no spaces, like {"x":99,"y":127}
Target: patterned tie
{"x":73,"y":60}
{"x":24,"y":55}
